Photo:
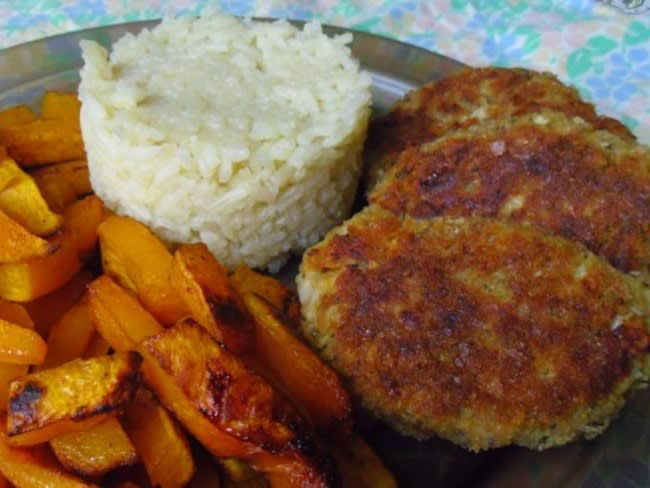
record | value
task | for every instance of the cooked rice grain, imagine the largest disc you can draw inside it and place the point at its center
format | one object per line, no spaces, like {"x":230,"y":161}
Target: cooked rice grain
{"x":241,"y":134}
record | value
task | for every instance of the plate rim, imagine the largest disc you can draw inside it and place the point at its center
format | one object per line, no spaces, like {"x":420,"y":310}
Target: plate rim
{"x":334,"y":28}
{"x":396,"y":66}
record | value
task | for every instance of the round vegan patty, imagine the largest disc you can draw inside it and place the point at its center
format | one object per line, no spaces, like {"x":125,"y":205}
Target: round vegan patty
{"x":548,"y":169}
{"x":469,"y":97}
{"x":479,"y":331}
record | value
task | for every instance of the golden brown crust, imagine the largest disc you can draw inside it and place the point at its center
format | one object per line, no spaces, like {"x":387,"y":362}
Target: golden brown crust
{"x":468,"y":328}
{"x":72,"y":392}
{"x":558,"y":173}
{"x":469,"y":97}
{"x":222,"y":388}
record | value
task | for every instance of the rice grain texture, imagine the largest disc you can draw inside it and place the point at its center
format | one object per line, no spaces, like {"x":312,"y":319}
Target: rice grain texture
{"x":242,"y":134}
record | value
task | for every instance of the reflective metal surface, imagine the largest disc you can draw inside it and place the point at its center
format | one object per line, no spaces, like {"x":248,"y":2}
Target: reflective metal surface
{"x":28,"y":69}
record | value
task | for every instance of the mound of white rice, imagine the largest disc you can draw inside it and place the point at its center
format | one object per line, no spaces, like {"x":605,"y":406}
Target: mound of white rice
{"x":244,"y":135}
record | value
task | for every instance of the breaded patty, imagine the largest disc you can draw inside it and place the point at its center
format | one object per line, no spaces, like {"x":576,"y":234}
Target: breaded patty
{"x":468,"y":97}
{"x":480,"y":331}
{"x":557,"y":172}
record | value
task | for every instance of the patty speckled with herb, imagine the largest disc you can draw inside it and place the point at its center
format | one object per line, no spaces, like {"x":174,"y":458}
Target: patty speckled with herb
{"x":480,"y":331}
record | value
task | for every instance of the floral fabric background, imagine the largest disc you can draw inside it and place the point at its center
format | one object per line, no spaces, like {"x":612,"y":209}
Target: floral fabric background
{"x":588,"y":43}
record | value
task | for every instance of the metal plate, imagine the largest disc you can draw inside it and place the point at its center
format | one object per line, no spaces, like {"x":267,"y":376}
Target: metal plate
{"x":617,"y":458}
{"x":53,"y":63}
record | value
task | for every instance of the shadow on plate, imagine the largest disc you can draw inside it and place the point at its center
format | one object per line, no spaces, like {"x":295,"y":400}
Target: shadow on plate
{"x":432,"y":463}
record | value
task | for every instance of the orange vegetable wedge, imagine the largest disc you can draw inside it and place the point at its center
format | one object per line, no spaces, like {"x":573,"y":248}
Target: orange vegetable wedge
{"x":159,"y":442}
{"x":284,"y":300}
{"x":20,"y":345}
{"x":230,"y":410}
{"x":24,"y":469}
{"x":360,"y":466}
{"x":17,"y":243}
{"x":46,"y":310}
{"x":8,"y":373}
{"x":123,"y":322}
{"x":109,"y":328}
{"x":203,"y":284}
{"x":22,"y":201}
{"x":119,"y":317}
{"x":62,"y":183}
{"x":70,"y":336}
{"x":60,"y":105}
{"x":16,"y":115}
{"x":98,"y":347}
{"x":26,"y":280}
{"x":43,"y":141}
{"x":204,"y":370}
{"x":95,"y":451}
{"x":312,"y":385}
{"x":50,"y":431}
{"x":184,"y":409}
{"x":142,"y":266}
{"x":71,"y":397}
{"x":14,"y":313}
